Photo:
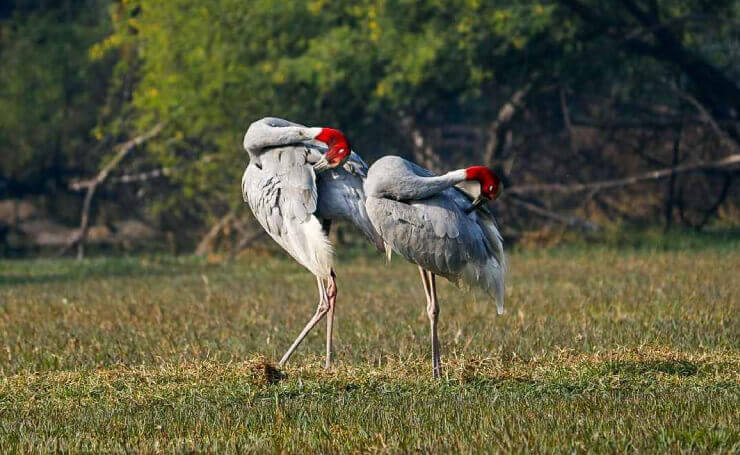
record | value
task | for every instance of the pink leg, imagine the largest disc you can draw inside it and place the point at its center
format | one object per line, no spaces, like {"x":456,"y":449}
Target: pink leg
{"x":430,"y":289}
{"x":332,"y":299}
{"x":321,"y":311}
{"x":433,"y":312}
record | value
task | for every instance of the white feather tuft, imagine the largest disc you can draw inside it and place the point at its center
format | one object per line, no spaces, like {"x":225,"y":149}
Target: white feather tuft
{"x":314,"y":250}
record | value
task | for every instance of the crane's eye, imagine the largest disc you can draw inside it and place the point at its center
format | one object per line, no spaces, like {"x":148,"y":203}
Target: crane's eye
{"x":490,"y":188}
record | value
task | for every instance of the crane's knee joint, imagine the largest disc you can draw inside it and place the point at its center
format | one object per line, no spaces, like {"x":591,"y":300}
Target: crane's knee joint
{"x":331,"y":290}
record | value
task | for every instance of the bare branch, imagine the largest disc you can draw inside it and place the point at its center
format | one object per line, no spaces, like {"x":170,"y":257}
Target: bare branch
{"x":122,"y":151}
{"x":720,"y":199}
{"x":78,"y":185}
{"x":505,"y":114}
{"x":709,"y":119}
{"x":571,"y":221}
{"x":724,"y":163}
{"x":566,"y":119}
{"x":205,"y":243}
{"x":424,"y":152}
{"x":246,"y":242}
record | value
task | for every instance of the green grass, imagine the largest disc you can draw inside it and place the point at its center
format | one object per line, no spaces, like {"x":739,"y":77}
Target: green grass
{"x":601,"y":350}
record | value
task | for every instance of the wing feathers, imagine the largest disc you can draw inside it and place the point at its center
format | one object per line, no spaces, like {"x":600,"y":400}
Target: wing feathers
{"x":283,"y":198}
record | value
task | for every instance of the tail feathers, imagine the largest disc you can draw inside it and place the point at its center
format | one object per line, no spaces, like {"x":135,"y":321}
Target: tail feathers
{"x":499,"y":291}
{"x":494,"y":270}
{"x":489,"y":277}
{"x":316,"y":252}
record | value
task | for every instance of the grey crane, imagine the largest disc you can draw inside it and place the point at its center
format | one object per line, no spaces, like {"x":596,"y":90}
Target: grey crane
{"x":295,"y":191}
{"x":438,"y":223}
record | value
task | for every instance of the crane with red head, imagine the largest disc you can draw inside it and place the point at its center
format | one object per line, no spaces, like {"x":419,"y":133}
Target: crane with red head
{"x":437,"y":222}
{"x":296,"y":188}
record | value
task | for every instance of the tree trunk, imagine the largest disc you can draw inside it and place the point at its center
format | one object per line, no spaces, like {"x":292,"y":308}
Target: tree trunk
{"x":498,"y":128}
{"x":671,"y":187}
{"x":422,"y":149}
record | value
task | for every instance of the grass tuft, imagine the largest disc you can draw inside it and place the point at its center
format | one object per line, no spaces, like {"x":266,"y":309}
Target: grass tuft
{"x":266,"y":372}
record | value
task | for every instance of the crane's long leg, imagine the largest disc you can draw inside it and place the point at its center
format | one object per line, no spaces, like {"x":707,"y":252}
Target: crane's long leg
{"x":321,"y":311}
{"x":433,"y":312}
{"x":425,"y":282}
{"x":430,"y":290}
{"x":332,"y":300}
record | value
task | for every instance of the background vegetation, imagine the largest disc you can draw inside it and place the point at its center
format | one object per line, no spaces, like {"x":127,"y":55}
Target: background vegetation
{"x":560,"y":91}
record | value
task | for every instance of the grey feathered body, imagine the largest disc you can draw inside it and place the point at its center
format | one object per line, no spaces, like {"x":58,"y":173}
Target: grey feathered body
{"x":341,"y":196}
{"x":432,"y":228}
{"x":290,"y":201}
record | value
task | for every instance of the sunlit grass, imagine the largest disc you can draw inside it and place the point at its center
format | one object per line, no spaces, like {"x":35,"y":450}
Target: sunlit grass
{"x":601,"y":349}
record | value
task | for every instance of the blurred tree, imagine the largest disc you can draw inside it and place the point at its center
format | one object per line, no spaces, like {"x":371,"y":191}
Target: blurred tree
{"x":376,"y":69}
{"x":49,"y":92}
{"x":446,"y":79}
{"x":545,"y":90}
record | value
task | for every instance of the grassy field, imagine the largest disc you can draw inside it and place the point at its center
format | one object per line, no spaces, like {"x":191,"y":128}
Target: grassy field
{"x":602,"y":349}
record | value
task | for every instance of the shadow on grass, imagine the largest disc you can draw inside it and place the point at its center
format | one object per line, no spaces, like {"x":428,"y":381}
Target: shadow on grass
{"x":675,"y":240}
{"x":670,"y":367}
{"x":624,"y":368}
{"x":71,"y":271}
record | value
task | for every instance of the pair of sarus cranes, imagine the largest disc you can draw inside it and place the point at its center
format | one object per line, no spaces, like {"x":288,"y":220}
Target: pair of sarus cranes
{"x":300,"y":179}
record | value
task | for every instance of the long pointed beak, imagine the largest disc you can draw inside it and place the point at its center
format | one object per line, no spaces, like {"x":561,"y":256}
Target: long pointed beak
{"x":321,"y":165}
{"x":345,"y":159}
{"x":476,"y":203}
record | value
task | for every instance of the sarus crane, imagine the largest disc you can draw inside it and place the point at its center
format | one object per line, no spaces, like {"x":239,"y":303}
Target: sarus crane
{"x":438,"y":223}
{"x":295,"y":191}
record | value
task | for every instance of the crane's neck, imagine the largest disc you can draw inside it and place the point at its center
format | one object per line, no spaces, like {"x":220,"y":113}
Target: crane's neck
{"x":429,"y":186}
{"x":273,"y":132}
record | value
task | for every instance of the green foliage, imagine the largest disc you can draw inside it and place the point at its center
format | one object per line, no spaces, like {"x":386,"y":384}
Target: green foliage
{"x":49,"y":91}
{"x":410,"y":55}
{"x":80,"y":76}
{"x":208,"y":70}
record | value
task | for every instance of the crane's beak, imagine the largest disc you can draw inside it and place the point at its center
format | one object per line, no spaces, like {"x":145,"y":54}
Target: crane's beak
{"x":476,"y":203}
{"x":322,"y":165}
